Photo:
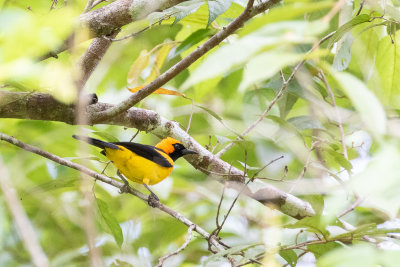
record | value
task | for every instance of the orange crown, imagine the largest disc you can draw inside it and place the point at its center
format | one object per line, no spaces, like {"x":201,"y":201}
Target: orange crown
{"x":166,"y":145}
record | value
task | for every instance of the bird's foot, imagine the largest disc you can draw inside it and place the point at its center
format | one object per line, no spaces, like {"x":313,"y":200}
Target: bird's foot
{"x":153,"y":200}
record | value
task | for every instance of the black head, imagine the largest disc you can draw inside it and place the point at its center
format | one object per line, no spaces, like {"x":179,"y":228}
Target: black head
{"x":179,"y":151}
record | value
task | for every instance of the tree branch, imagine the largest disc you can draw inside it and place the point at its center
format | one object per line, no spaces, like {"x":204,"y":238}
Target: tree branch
{"x":112,"y":182}
{"x":184,"y":245}
{"x":248,"y":13}
{"x":40,"y":106}
{"x":91,"y":58}
{"x":108,"y":19}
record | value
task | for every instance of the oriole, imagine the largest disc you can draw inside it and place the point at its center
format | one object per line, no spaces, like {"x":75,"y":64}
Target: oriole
{"x":143,"y":164}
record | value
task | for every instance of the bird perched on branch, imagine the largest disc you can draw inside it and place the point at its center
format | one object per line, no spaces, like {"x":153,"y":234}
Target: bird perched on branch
{"x":143,"y":164}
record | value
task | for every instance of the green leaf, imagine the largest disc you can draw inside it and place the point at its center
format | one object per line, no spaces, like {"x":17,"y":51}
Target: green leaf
{"x":315,"y":224}
{"x":267,"y":38}
{"x":286,"y":103}
{"x":184,"y":9}
{"x":366,"y":103}
{"x":111,"y":222}
{"x":386,"y":81}
{"x":339,"y":158}
{"x":61,"y":182}
{"x":265,"y":65}
{"x":209,"y":111}
{"x":178,"y":11}
{"x":193,"y":39}
{"x":343,"y":56}
{"x":321,"y":249}
{"x":290,"y":257}
{"x":106,"y":136}
{"x":285,"y":13}
{"x":138,"y":66}
{"x":366,"y":255}
{"x":347,"y":27}
{"x":159,"y":60}
{"x":216,"y":8}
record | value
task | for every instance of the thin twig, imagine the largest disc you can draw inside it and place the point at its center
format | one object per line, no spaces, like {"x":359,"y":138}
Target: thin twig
{"x":335,"y":107}
{"x":89,"y":6}
{"x":285,"y":84}
{"x":303,"y":172}
{"x":358,"y":201}
{"x":184,"y":245}
{"x":361,"y":7}
{"x":191,"y":116}
{"x":21,"y":220}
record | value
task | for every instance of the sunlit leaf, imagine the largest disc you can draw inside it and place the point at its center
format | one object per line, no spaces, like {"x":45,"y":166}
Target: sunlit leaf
{"x":160,"y":91}
{"x":138,"y":66}
{"x":386,"y":81}
{"x":266,"y":38}
{"x":343,"y":56}
{"x":347,"y":27}
{"x":266,"y":65}
{"x":159,"y":60}
{"x":339,"y":158}
{"x":321,"y":249}
{"x":216,"y":8}
{"x":290,"y":257}
{"x":314,"y":224}
{"x":360,"y":255}
{"x":369,"y":107}
{"x":285,"y":13}
{"x":193,"y":39}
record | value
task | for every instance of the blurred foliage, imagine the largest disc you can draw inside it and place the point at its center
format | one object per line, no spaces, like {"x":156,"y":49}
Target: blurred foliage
{"x":231,"y":86}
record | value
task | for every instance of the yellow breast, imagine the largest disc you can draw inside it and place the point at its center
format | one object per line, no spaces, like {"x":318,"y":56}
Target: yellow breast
{"x":137,"y":168}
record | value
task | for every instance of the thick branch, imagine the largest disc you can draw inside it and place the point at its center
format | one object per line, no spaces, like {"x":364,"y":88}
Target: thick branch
{"x":248,"y":13}
{"x":40,"y":106}
{"x":91,"y":58}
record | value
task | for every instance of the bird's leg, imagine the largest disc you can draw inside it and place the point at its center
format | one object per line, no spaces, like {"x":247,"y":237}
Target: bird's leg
{"x":153,"y":199}
{"x":126,"y":186}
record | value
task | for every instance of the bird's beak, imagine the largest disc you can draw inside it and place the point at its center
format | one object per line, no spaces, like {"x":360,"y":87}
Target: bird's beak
{"x":188,"y":151}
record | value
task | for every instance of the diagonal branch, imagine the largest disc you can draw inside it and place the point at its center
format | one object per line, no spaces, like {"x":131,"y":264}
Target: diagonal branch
{"x":247,"y":14}
{"x":108,"y":19}
{"x":112,"y":182}
{"x":40,"y":106}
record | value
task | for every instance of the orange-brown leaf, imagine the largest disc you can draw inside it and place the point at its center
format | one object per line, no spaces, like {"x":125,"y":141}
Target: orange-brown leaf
{"x":160,"y":91}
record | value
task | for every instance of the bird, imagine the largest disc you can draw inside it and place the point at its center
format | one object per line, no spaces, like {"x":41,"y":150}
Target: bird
{"x":143,"y":164}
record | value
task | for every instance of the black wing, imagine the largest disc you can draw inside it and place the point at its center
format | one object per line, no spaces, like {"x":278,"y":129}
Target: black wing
{"x":146,"y":151}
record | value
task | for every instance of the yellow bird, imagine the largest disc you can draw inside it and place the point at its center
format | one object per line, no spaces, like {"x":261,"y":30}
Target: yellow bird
{"x":143,"y":164}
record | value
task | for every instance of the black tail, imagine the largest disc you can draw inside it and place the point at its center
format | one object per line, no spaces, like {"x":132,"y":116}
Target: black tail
{"x":95,"y":142}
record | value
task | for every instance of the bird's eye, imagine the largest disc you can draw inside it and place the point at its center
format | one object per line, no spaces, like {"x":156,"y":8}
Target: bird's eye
{"x":178,"y":146}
